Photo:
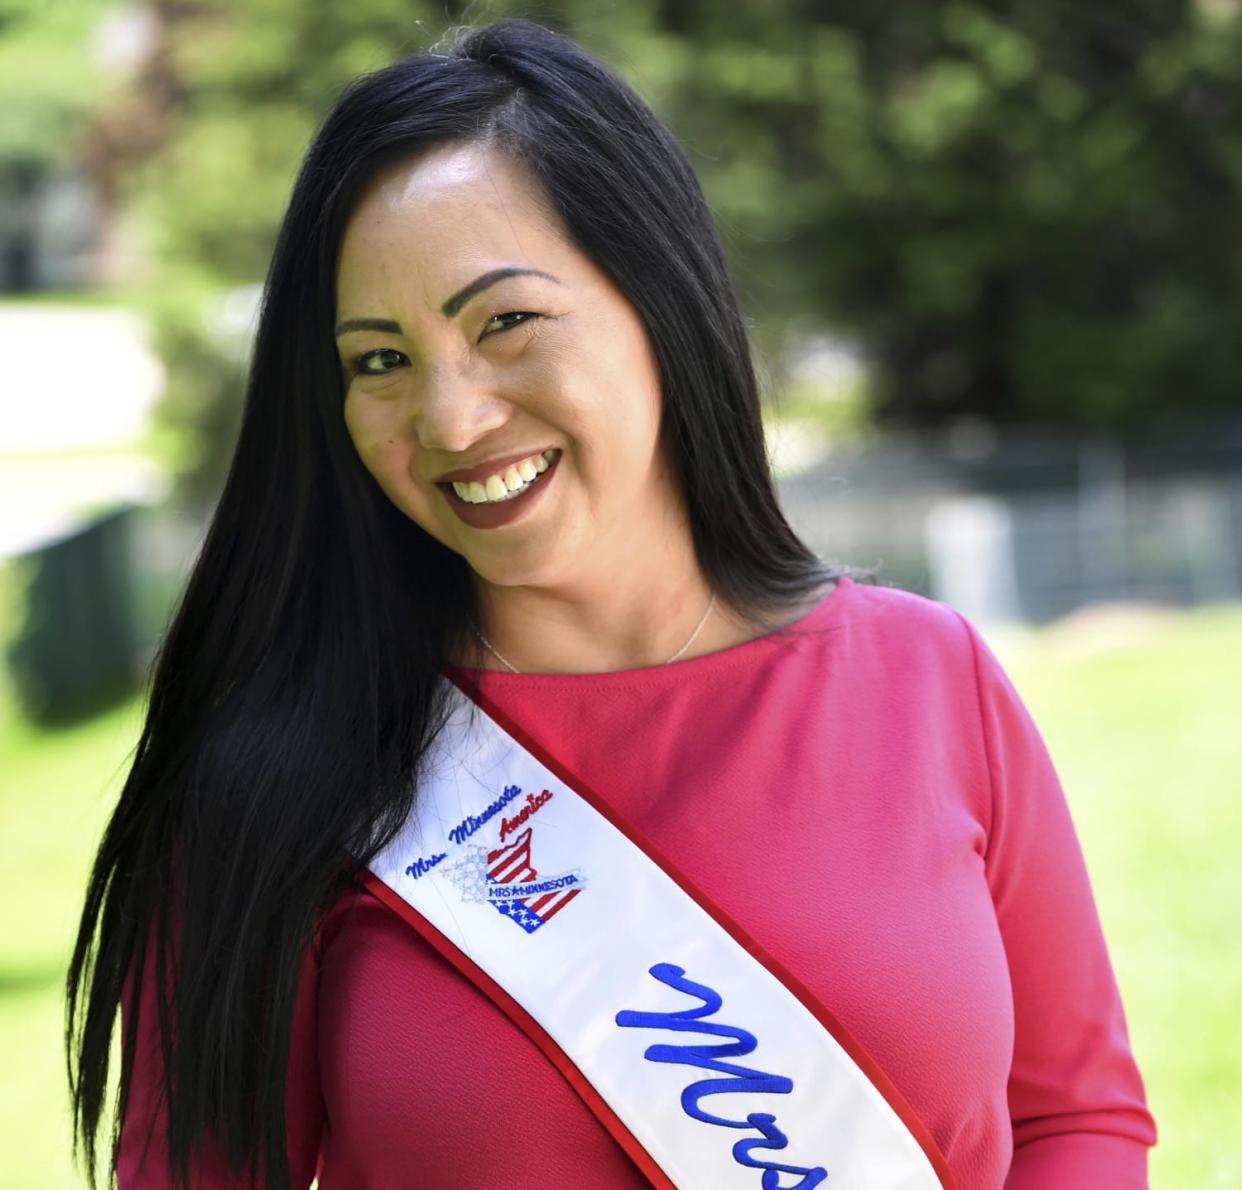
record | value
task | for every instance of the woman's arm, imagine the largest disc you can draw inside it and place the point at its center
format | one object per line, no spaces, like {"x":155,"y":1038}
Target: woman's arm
{"x":1076,"y":1098}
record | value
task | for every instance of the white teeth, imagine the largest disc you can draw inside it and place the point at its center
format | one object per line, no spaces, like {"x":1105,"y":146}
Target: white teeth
{"x":511,"y":482}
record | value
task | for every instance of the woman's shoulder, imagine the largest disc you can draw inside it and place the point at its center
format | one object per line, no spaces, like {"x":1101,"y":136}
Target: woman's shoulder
{"x":901,"y":611}
{"x":880,"y":619}
{"x":903,"y":630}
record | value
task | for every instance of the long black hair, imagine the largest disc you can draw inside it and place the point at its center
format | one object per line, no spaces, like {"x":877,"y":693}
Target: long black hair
{"x":298,"y":685}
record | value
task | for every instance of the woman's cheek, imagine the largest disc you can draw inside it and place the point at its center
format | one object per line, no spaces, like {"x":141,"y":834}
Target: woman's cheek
{"x":373,"y":434}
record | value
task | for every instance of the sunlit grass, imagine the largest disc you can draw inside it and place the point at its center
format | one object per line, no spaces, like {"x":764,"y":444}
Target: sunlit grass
{"x":1143,"y":733}
{"x":54,"y":798}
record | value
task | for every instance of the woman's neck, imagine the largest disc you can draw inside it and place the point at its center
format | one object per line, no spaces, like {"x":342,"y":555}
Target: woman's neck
{"x":551,"y":636}
{"x":606,"y":626}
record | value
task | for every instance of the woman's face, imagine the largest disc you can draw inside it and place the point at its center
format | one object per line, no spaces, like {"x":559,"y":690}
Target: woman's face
{"x":451,"y":367}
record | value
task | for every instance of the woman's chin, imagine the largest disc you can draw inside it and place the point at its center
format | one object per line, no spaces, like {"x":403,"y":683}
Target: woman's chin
{"x":510,"y":572}
{"x":542,"y":560}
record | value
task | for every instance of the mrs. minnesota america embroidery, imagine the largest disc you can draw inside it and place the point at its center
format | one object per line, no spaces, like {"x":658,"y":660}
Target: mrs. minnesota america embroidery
{"x":504,"y":876}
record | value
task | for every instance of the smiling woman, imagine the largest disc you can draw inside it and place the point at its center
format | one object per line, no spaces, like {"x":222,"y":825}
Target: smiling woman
{"x":543,"y":358}
{"x":430,"y":854}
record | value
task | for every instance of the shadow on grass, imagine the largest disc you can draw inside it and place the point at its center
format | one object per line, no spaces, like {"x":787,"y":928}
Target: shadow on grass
{"x":20,"y":979}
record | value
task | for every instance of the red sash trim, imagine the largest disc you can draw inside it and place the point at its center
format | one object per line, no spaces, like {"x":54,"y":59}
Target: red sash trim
{"x":896,"y":1100}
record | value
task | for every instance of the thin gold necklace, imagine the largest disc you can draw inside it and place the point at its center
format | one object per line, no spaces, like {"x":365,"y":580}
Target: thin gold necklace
{"x":503,"y":659}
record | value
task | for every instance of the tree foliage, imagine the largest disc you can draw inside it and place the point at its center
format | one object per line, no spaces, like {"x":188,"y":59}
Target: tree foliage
{"x":1023,"y":211}
{"x":41,"y":102}
{"x":42,"y":106}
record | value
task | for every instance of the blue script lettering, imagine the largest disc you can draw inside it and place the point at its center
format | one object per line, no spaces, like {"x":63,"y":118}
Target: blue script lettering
{"x":421,"y":866}
{"x":741,"y":1079}
{"x":471,"y":823}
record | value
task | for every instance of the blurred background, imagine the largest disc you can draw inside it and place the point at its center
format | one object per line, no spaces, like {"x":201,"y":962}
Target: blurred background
{"x":991,"y":255}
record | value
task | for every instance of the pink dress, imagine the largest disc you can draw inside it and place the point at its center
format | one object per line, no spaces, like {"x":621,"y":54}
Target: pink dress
{"x":869,"y":798}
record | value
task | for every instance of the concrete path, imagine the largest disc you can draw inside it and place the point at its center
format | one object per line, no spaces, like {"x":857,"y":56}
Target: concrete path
{"x":76,"y":393}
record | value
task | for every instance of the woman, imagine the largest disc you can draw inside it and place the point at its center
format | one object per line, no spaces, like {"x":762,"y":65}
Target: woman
{"x":502,"y":451}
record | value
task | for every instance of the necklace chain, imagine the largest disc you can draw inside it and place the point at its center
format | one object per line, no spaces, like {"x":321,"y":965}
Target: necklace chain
{"x":509,"y":664}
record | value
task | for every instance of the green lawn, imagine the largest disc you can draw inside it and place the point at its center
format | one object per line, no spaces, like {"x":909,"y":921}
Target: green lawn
{"x":55,"y":794}
{"x":1143,"y":732}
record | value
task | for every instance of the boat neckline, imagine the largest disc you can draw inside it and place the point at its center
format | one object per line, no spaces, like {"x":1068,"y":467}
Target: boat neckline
{"x":843,"y":585}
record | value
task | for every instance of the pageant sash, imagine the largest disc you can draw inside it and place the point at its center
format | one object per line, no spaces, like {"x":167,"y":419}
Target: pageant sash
{"x":707,"y":1061}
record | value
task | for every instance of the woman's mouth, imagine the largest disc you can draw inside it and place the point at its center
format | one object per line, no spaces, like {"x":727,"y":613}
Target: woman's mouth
{"x":513,"y":481}
{"x":503,"y":497}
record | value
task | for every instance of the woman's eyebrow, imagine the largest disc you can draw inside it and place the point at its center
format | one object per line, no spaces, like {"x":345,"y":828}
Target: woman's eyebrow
{"x":450,"y":307}
{"x":368,"y":324}
{"x":463,"y":295}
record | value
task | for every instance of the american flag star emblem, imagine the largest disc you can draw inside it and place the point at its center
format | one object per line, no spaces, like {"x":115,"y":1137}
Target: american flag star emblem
{"x":511,"y":864}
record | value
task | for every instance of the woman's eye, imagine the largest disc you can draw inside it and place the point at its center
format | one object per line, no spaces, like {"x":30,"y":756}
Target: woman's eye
{"x":388,"y":355}
{"x":384,"y":359}
{"x":521,"y":315}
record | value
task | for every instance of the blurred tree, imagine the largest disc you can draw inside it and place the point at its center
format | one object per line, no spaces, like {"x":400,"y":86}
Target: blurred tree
{"x":42,"y":106}
{"x":1021,"y":211}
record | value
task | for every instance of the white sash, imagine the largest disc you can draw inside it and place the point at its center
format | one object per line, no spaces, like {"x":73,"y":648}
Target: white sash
{"x":710,"y":1064}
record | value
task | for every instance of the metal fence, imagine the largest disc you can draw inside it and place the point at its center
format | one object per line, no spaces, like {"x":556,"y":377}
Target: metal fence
{"x":1028,"y":526}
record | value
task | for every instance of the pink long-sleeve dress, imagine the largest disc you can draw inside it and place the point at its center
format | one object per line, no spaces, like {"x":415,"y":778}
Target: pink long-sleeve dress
{"x":866,"y":795}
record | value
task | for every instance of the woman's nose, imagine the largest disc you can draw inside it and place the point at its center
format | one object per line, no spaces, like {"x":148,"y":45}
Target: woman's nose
{"x":454,"y":410}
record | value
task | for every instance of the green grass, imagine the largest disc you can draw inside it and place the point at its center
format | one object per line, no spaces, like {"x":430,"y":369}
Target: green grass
{"x":54,"y":798}
{"x":1143,"y":733}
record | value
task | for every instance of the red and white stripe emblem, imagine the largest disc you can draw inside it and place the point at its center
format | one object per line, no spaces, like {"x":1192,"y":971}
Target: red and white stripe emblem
{"x":511,"y":863}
